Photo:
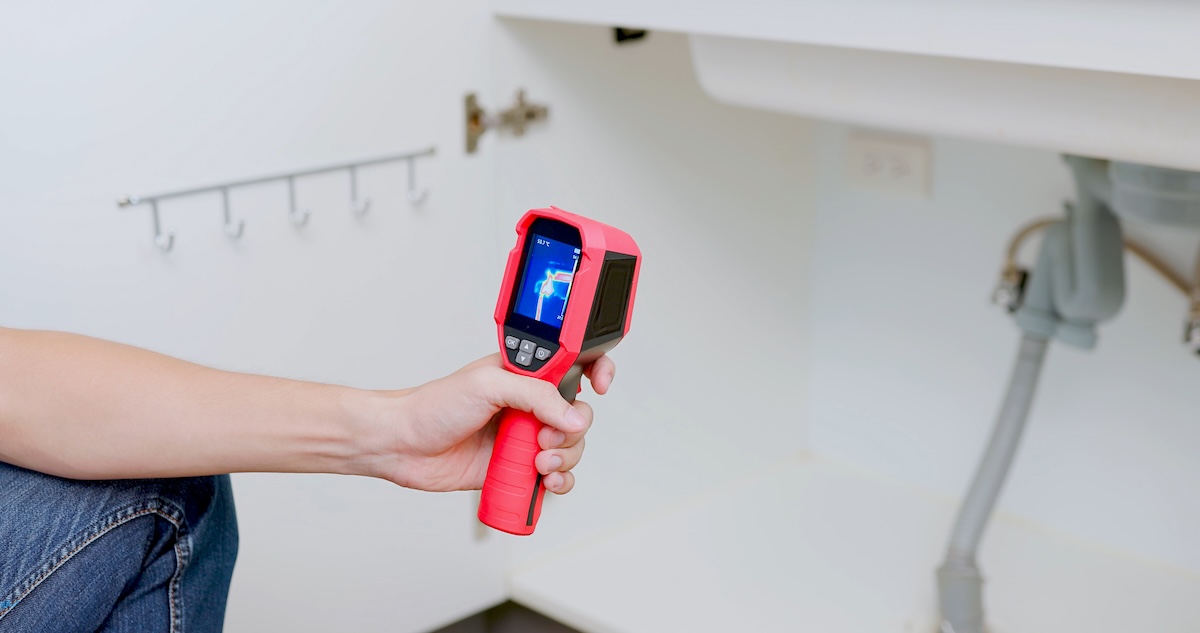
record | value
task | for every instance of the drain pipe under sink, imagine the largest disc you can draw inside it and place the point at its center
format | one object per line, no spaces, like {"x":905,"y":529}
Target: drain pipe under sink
{"x":1078,"y":282}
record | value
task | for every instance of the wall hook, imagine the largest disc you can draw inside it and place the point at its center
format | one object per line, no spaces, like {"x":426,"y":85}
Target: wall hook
{"x":356,"y":207}
{"x":165,"y":241}
{"x":297,"y":218}
{"x":233,"y":230}
{"x":415,"y":196}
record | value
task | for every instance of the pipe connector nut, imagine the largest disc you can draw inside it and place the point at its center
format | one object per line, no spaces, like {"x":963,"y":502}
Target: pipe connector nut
{"x":1191,"y":334}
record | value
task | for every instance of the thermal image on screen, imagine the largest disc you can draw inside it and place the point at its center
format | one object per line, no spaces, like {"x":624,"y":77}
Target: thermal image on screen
{"x":549,"y":271}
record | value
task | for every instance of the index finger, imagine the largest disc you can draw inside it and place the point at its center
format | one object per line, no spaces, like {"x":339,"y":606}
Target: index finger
{"x":505,"y":389}
{"x":601,"y":374}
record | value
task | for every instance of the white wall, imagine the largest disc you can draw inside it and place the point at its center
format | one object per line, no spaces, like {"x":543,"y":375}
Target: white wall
{"x":138,"y":97}
{"x":908,"y":360}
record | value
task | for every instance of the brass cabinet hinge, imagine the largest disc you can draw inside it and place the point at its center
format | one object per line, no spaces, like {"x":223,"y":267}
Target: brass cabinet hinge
{"x":514,"y":118}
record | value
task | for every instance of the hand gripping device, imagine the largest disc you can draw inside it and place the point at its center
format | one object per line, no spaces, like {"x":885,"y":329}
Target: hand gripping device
{"x":566,"y":300}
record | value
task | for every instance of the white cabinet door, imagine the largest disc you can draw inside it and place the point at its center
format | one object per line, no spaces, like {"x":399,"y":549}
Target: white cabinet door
{"x":136,"y":97}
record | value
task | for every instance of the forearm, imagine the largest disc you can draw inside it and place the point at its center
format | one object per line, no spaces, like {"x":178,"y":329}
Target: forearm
{"x":79,"y":407}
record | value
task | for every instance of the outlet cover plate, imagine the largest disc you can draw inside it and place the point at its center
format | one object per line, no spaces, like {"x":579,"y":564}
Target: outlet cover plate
{"x":888,"y":163}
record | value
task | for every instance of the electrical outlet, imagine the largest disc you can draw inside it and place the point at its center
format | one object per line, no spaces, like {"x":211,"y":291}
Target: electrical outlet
{"x":890,"y":164}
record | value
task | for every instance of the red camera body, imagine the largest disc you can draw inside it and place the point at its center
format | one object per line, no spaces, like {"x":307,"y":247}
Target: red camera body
{"x":566,"y":300}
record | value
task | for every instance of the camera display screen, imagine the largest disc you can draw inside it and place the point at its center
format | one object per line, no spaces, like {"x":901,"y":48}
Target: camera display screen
{"x":545,"y":286}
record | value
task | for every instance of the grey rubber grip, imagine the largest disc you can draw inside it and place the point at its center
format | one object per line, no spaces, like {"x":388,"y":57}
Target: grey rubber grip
{"x":568,"y":387}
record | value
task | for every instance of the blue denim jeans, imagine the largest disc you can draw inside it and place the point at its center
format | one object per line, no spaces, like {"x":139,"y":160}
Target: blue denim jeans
{"x":114,"y":556}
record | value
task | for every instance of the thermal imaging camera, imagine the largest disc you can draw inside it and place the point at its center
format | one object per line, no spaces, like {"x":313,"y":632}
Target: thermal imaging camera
{"x":566,"y":300}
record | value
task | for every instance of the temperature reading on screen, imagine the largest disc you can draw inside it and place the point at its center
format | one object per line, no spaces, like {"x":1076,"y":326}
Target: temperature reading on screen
{"x":550,"y":268}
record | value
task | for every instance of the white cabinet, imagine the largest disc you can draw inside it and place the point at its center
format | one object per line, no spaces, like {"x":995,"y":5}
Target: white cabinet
{"x":784,"y":313}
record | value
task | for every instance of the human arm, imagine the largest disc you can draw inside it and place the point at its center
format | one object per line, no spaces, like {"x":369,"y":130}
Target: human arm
{"x":84,"y":408}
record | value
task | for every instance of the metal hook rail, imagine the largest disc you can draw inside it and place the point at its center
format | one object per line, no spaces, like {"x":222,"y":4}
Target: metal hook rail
{"x":166,"y":240}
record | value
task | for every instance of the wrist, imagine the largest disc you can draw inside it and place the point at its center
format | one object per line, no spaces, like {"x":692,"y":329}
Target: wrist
{"x":371,"y":428}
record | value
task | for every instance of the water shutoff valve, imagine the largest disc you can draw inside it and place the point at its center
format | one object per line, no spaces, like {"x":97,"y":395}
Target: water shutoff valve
{"x":1191,"y":333}
{"x":1010,"y":292}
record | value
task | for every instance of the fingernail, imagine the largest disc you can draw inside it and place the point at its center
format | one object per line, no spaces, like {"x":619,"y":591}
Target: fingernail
{"x":574,"y":419}
{"x":555,"y":462}
{"x":557,"y":438}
